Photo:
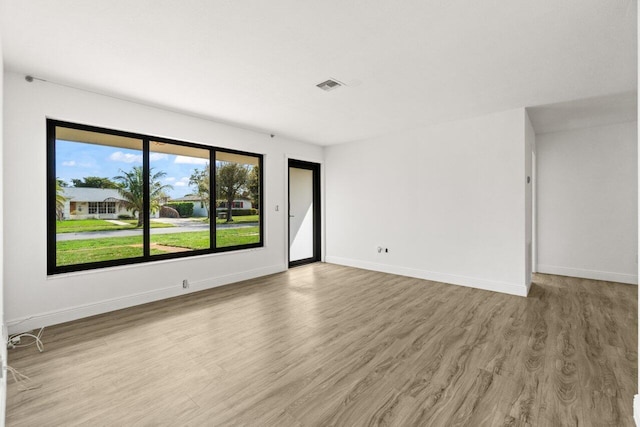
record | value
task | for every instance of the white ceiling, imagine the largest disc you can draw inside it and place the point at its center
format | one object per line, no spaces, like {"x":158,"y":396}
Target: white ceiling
{"x":255,"y":63}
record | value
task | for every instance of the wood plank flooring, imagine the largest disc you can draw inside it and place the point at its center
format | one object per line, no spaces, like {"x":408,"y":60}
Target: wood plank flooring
{"x":329,"y":345}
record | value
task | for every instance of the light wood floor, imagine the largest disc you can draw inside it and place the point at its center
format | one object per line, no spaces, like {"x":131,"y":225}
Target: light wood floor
{"x":328,"y":345}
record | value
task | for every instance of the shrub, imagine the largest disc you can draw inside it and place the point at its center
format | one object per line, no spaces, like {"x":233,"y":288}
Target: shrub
{"x":239,"y":212}
{"x":125,"y":216}
{"x":167,"y":212}
{"x":243,"y":212}
{"x":185,"y":209}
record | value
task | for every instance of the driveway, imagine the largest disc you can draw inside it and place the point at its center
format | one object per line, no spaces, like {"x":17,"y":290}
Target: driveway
{"x":180,"y":225}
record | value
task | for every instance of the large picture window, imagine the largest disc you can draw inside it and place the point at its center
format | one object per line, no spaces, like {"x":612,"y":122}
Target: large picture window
{"x":118,"y":198}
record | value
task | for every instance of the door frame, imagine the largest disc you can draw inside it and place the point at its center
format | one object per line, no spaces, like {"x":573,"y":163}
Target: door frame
{"x":317,"y":212}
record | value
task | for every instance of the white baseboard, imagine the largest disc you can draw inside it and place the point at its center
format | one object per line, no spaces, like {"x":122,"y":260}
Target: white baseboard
{"x":589,"y":274}
{"x":78,"y":312}
{"x":470,"y":282}
{"x":636,"y":409}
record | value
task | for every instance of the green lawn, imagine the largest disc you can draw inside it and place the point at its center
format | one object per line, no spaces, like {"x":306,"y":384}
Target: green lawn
{"x":92,"y":250}
{"x":154,"y":224}
{"x":82,"y":225}
{"x":192,"y":240}
{"x":110,"y":248}
{"x":237,"y":236}
{"x":240,"y":219}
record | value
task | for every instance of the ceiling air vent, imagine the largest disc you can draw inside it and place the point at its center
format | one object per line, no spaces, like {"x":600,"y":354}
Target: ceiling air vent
{"x":329,"y":85}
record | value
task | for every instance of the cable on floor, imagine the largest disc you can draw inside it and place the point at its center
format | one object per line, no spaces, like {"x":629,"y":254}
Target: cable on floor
{"x":23,"y":381}
{"x":14,"y":339}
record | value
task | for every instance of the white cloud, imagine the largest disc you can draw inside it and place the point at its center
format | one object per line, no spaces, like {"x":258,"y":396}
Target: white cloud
{"x":157,"y":156}
{"x":184,"y":181}
{"x":170,"y":179}
{"x":69,"y":163}
{"x":190,"y":160}
{"x":119,"y":156}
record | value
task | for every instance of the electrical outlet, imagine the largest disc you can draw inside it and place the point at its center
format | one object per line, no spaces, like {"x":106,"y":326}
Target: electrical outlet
{"x":185,"y":283}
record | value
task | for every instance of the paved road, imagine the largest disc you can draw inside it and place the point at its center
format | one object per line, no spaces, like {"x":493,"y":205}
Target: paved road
{"x":182,"y":227}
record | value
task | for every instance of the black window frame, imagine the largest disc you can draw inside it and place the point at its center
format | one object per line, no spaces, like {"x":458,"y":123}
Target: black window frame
{"x":53,"y":269}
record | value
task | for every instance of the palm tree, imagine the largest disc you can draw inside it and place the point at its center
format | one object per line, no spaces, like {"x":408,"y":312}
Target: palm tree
{"x":60,"y":200}
{"x":132,"y":191}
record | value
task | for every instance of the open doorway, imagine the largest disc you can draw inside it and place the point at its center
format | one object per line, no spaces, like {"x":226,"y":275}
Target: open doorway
{"x":304,"y":212}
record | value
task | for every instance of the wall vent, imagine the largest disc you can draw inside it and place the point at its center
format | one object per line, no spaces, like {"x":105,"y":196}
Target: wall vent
{"x":329,"y":85}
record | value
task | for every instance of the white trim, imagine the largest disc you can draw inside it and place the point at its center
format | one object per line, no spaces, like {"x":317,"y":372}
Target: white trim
{"x":471,"y":282}
{"x":78,"y":312}
{"x":323,"y":214}
{"x":534,"y":211}
{"x":636,"y":409}
{"x":285,"y":212}
{"x":589,"y":274}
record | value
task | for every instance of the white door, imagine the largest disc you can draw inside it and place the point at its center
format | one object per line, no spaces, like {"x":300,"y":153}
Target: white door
{"x":301,"y":215}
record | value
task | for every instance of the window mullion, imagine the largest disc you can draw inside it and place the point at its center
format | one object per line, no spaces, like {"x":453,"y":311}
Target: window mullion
{"x":51,"y":195}
{"x":261,"y":210}
{"x":213,"y":212}
{"x":146,"y":223}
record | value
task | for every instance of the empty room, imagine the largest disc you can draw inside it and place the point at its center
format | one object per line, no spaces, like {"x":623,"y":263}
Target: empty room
{"x":285,"y":213}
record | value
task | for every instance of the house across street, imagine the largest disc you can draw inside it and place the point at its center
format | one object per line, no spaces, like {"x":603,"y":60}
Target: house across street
{"x":181,"y":225}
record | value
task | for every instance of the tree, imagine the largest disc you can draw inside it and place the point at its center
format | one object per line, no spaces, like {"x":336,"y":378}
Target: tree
{"x":253,"y":186}
{"x":131,"y":188}
{"x":200,"y":179}
{"x":94,"y":182}
{"x":62,"y":183}
{"x":60,"y":200}
{"x":231,"y":178}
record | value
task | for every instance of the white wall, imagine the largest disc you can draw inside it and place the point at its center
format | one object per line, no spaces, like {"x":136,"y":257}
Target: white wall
{"x":467,"y":223}
{"x":43,"y":300}
{"x":3,"y":348}
{"x":588,"y":202}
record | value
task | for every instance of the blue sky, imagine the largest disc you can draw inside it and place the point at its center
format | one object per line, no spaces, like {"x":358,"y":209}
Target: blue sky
{"x":78,"y":160}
